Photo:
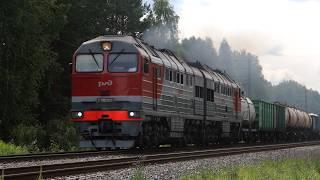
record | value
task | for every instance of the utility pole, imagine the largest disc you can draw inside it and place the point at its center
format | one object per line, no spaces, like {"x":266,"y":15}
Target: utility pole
{"x":249,"y":77}
{"x":305,"y":99}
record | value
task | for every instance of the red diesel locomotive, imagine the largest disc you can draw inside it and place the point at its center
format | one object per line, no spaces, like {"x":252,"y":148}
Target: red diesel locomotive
{"x":126,"y":93}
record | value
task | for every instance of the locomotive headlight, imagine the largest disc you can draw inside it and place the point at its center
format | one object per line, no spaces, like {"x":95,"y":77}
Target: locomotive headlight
{"x":77,"y":114}
{"x":106,"y":46}
{"x":133,"y":114}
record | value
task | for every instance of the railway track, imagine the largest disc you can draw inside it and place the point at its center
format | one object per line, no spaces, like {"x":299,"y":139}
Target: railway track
{"x":49,"y":171}
{"x":57,"y":155}
{"x":81,"y":154}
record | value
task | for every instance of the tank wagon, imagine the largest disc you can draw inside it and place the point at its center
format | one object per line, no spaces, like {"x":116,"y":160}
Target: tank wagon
{"x":126,"y":93}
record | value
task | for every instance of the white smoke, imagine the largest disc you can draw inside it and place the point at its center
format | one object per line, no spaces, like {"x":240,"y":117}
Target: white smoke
{"x":161,"y":37}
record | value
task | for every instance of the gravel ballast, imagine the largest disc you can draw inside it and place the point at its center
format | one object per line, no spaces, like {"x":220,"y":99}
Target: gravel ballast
{"x":178,"y":169}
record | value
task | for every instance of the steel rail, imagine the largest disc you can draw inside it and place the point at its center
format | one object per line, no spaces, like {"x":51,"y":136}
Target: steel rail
{"x":56,"y":155}
{"x":90,"y":153}
{"x":55,"y":170}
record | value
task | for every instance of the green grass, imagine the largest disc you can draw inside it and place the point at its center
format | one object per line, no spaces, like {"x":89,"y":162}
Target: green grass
{"x":139,"y":174}
{"x":287,"y":169}
{"x":9,"y":149}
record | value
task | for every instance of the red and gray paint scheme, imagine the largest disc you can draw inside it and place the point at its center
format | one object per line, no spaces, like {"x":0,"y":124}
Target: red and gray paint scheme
{"x":126,"y":93}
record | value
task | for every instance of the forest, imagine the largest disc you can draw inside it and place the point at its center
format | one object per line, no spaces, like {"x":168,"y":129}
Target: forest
{"x":38,"y":39}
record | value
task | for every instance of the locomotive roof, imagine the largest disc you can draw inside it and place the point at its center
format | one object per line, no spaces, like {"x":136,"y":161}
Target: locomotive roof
{"x":111,"y":38}
{"x":160,"y":56}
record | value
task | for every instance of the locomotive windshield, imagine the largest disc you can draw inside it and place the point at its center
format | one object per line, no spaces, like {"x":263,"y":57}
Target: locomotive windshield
{"x":122,"y":62}
{"x":89,"y":63}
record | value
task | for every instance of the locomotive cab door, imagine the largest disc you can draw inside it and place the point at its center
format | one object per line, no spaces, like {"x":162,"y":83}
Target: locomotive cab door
{"x":155,"y":87}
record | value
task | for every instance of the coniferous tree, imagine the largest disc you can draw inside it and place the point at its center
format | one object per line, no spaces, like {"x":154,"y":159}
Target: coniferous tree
{"x":225,"y":57}
{"x":163,"y":32}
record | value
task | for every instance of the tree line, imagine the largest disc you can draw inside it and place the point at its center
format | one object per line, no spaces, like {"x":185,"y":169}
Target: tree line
{"x":38,"y":39}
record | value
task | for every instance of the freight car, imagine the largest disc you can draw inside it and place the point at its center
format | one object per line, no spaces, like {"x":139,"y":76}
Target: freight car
{"x":279,"y":122}
{"x":126,"y":93}
{"x":315,"y":124}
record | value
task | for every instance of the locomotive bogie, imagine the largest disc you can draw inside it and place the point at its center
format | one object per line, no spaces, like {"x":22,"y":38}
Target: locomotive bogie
{"x":108,"y":133}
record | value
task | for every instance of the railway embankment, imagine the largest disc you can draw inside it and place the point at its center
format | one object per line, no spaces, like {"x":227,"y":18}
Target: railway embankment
{"x":209,"y":166}
{"x":306,"y":167}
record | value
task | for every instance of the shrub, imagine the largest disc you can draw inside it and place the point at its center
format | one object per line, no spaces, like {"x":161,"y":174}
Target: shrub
{"x":62,"y":135}
{"x":28,"y":136}
{"x":9,"y":149}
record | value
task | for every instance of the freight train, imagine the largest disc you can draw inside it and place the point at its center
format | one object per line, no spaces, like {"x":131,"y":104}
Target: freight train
{"x":126,"y":93}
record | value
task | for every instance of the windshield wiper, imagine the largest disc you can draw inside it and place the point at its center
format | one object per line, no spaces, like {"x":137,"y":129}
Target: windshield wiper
{"x":122,"y":50}
{"x":94,"y":58}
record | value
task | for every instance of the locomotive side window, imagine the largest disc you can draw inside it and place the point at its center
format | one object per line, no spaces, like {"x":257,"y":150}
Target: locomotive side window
{"x":210,"y":95}
{"x":187,"y":79}
{"x":89,"y":63}
{"x":158,"y":72}
{"x":170,"y":75}
{"x":181,"y":81}
{"x":178,"y":77}
{"x":146,"y":66}
{"x":216,"y":87}
{"x":167,"y":74}
{"x":199,"y":92}
{"x":122,"y":63}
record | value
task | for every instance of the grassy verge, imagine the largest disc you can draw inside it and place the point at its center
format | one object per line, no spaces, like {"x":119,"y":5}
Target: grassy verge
{"x":287,"y":169}
{"x":138,"y":175}
{"x":8,"y":149}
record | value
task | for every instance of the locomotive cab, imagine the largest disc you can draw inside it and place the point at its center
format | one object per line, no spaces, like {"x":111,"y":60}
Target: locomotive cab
{"x":106,"y":93}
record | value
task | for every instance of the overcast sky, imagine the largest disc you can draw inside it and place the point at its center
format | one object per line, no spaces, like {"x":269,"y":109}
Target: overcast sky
{"x":285,"y":34}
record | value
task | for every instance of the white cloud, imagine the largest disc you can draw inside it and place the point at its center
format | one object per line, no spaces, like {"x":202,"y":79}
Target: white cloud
{"x":279,"y":27}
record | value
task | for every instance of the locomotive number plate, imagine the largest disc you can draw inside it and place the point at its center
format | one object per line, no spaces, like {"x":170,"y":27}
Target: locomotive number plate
{"x":104,"y":100}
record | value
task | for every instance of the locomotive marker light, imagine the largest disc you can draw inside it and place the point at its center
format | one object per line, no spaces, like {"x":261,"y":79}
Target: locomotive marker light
{"x":106,"y":46}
